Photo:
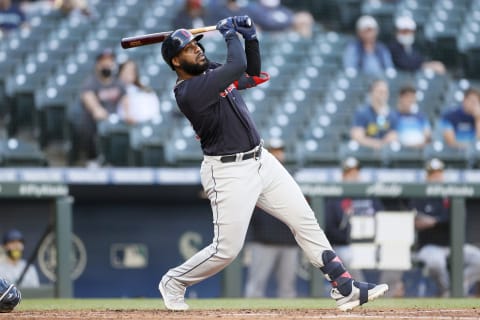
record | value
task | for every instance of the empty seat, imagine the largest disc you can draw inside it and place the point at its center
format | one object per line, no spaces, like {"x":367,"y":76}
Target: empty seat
{"x":114,"y":141}
{"x":19,"y":153}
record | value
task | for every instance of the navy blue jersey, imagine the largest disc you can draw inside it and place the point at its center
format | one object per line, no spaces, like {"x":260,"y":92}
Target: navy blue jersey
{"x":439,"y":209}
{"x":215,"y":108}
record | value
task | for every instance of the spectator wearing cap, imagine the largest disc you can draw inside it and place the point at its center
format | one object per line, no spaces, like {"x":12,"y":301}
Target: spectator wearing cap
{"x":461,"y":124}
{"x":404,"y":55}
{"x":339,"y":211}
{"x":14,"y":265}
{"x":412,"y":125}
{"x":366,"y":54}
{"x":374,"y":124}
{"x":273,"y":249}
{"x":432,"y":222}
{"x":101,"y":95}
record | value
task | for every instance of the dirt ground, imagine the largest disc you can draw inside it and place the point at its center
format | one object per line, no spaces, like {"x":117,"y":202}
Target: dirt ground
{"x":397,"y":314}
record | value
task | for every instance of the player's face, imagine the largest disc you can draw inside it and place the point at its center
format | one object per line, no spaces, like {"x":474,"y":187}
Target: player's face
{"x":351,"y":175}
{"x":435,"y":176}
{"x":192,"y":59}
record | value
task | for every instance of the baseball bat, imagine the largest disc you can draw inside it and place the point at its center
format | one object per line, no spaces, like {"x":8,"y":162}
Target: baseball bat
{"x":151,"y":38}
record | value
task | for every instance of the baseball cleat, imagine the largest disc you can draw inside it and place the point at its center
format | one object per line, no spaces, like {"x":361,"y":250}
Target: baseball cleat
{"x":173,"y":294}
{"x":362,"y":292}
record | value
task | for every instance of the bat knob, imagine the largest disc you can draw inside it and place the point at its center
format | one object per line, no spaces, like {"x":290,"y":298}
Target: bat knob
{"x":248,"y":22}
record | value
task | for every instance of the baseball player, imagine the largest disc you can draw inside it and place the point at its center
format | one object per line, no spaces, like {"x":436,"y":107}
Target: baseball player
{"x":237,"y":173}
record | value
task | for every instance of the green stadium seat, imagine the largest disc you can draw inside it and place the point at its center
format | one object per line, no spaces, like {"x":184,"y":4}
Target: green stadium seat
{"x":19,"y":153}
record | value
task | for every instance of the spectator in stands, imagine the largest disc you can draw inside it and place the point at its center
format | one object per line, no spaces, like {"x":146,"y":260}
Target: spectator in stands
{"x":13,"y":266}
{"x":432,"y":222}
{"x":366,"y":54}
{"x":11,"y":17}
{"x":74,"y":7}
{"x":374,"y":124}
{"x":191,"y":15}
{"x":273,"y":249}
{"x":413,"y":128}
{"x":220,"y":9}
{"x":144,"y":102}
{"x":271,"y":15}
{"x":461,"y":125}
{"x":339,"y":211}
{"x":405,"y":56}
{"x":101,"y":95}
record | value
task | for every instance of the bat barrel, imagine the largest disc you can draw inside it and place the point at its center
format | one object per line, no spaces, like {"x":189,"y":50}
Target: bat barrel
{"x":143,"y":40}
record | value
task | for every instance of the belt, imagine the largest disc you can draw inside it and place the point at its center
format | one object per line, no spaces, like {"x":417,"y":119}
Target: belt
{"x":257,"y":153}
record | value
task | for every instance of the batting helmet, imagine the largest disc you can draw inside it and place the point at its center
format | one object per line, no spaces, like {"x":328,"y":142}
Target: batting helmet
{"x":175,"y":42}
{"x":10,"y":296}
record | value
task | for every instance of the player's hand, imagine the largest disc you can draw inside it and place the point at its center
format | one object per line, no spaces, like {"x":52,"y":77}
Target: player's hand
{"x":247,"y":81}
{"x":245,"y":26}
{"x":226,"y":26}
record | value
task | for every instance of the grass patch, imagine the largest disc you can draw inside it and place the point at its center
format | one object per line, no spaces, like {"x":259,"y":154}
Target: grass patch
{"x":149,"y":304}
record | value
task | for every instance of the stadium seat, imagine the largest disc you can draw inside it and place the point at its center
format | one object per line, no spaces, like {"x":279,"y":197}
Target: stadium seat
{"x":19,"y":153}
{"x":147,"y":142}
{"x":183,"y":148}
{"x":452,"y":157}
{"x":114,"y":141}
{"x":398,"y":156}
{"x":368,"y":157}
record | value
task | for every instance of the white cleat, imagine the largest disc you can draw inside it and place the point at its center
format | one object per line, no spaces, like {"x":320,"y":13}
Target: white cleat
{"x":361,"y":293}
{"x":173,"y":294}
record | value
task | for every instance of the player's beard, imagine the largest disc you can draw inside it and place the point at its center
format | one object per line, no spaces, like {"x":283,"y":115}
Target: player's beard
{"x":194,"y":69}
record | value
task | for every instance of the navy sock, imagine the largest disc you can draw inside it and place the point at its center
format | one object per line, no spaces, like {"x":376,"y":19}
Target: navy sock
{"x":335,"y":272}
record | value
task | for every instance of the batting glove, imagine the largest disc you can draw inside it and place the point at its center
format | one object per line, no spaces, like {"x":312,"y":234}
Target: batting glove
{"x":245,"y":26}
{"x":247,"y":81}
{"x":226,"y":26}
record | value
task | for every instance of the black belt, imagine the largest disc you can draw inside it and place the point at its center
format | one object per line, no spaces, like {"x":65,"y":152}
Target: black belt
{"x":252,"y":154}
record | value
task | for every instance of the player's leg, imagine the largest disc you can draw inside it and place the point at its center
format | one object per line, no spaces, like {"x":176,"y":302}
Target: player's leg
{"x":471,"y":255}
{"x":286,"y":273}
{"x":232,"y":189}
{"x":435,"y":261}
{"x":263,"y":259}
{"x":282,"y":197}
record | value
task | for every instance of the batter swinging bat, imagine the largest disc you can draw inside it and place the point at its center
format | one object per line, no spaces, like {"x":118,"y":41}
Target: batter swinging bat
{"x":151,"y":38}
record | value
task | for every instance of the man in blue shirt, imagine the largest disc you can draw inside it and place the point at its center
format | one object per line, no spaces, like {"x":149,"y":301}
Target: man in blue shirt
{"x":374,"y":124}
{"x":404,"y":54}
{"x":461,"y":125}
{"x":413,"y":128}
{"x":365,"y":54}
{"x":11,"y":16}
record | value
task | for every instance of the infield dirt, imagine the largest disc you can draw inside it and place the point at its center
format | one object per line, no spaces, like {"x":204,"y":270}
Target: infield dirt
{"x":243,"y":314}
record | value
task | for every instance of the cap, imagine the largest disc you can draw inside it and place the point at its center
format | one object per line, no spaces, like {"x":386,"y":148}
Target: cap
{"x":434,"y":164}
{"x":175,"y":42}
{"x":366,"y":22}
{"x":350,"y":163}
{"x":405,"y":23}
{"x":12,"y":235}
{"x":105,"y":53}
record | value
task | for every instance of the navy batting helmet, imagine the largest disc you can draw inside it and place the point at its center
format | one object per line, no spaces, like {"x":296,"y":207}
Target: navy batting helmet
{"x":10,"y":296}
{"x":175,"y":42}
